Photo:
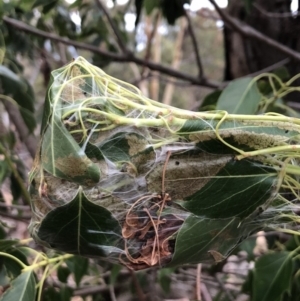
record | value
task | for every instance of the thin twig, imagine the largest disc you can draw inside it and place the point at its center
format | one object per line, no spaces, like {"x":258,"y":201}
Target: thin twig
{"x":250,"y":32}
{"x":17,"y":207}
{"x":116,"y":57}
{"x":205,"y":293}
{"x":275,"y":15}
{"x":113,"y":26}
{"x":112,"y":293}
{"x":21,"y":218}
{"x":270,"y":68}
{"x":137,"y":286}
{"x":28,"y":139}
{"x":91,"y":290}
{"x":150,"y":39}
{"x":198,"y":282}
{"x":195,"y":44}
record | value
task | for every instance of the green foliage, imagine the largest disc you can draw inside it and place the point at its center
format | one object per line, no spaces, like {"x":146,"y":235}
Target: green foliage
{"x":22,"y":288}
{"x":210,"y":219}
{"x":241,"y":96}
{"x":272,"y":277}
{"x":93,"y":223}
{"x":226,"y":178}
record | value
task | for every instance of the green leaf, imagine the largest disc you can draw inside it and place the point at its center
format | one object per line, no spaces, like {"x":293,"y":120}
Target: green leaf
{"x":199,"y":237}
{"x":63,"y":273}
{"x":22,"y":288}
{"x":114,"y":273}
{"x":173,"y":9}
{"x":282,"y":72}
{"x":81,"y":227}
{"x":123,"y":146}
{"x":272,"y":276}
{"x":7,"y":243}
{"x":78,"y":266}
{"x":210,"y":101}
{"x":47,"y":4}
{"x":14,"y":268}
{"x":241,"y":96}
{"x":238,"y":189}
{"x":51,"y":294}
{"x":248,"y":246}
{"x":25,"y":4}
{"x":164,"y":279}
{"x":7,"y":74}
{"x":150,"y":5}
{"x":4,"y":279}
{"x":66,"y":293}
{"x":138,"y":10}
{"x":247,"y":285}
{"x":62,"y":156}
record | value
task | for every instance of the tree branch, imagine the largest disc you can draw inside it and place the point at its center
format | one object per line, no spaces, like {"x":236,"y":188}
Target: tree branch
{"x":250,"y":32}
{"x":275,"y":15}
{"x":113,"y":26}
{"x":195,"y":44}
{"x":116,"y":57}
{"x":28,"y":139}
{"x":150,"y":39}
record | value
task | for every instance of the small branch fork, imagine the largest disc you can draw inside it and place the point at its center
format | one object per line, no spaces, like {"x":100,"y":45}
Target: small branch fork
{"x":194,"y":80}
{"x":128,"y":56}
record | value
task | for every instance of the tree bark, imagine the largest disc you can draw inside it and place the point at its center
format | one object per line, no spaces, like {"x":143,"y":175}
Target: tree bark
{"x":274,"y":19}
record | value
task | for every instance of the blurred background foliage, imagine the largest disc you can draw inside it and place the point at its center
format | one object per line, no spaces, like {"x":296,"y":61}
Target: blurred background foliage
{"x":179,"y":52}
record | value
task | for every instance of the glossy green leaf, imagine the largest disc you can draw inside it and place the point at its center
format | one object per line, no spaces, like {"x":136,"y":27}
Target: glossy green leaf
{"x":124,"y":146}
{"x":241,"y":96}
{"x":63,"y":273}
{"x":78,"y":266}
{"x":62,"y":156}
{"x":238,"y":189}
{"x":200,"y":237}
{"x":81,"y":227}
{"x":7,"y":243}
{"x":51,"y":294}
{"x":272,"y":276}
{"x":4,"y":279}
{"x":173,"y":9}
{"x":14,"y":268}
{"x":248,"y":247}
{"x":66,"y":293}
{"x":22,"y":288}
{"x":210,"y":101}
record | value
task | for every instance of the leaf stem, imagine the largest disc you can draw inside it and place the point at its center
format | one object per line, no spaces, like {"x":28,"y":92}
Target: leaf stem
{"x":47,"y":261}
{"x":23,"y":265}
